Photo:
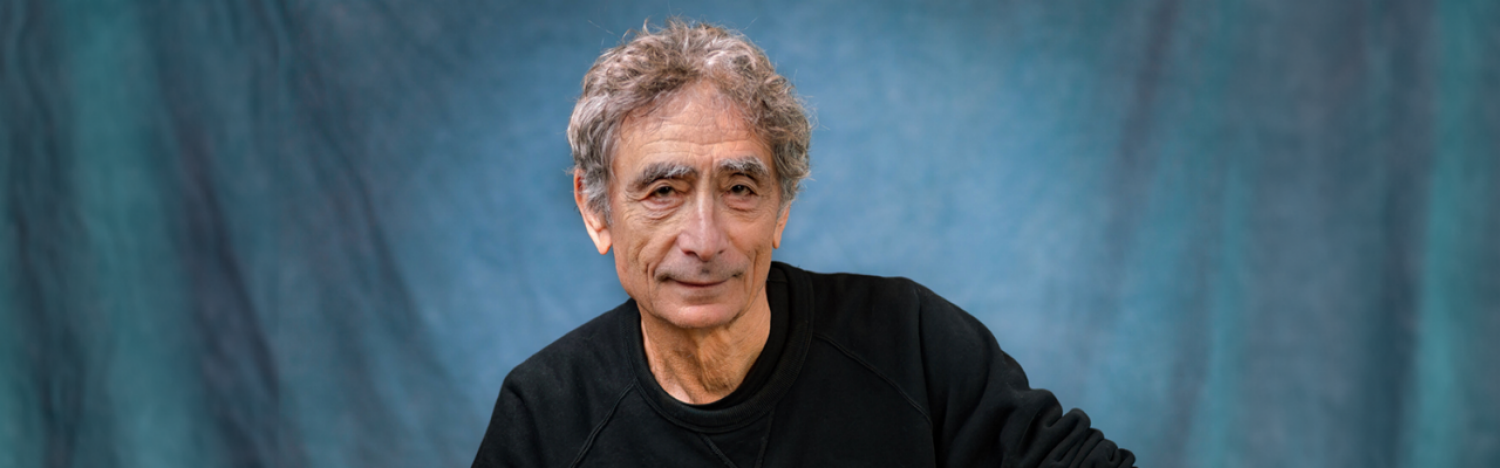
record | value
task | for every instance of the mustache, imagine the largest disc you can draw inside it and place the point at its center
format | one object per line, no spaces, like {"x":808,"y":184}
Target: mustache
{"x":699,"y":272}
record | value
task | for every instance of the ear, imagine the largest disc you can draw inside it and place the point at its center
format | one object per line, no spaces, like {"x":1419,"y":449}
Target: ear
{"x":780,"y":226}
{"x":593,"y":222}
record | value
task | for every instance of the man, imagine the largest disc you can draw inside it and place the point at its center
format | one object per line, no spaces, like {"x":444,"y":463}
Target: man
{"x":689,"y":149}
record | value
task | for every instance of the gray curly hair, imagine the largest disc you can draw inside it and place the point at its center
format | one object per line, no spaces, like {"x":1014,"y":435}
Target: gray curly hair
{"x":654,"y":66}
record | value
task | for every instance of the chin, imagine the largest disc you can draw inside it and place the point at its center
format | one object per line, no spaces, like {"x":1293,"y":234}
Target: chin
{"x":698,"y":316}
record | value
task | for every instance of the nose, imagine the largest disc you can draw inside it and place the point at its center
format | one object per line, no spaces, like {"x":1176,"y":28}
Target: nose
{"x":702,"y":235}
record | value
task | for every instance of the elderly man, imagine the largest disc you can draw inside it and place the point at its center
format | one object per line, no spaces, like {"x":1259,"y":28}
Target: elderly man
{"x":689,"y":149}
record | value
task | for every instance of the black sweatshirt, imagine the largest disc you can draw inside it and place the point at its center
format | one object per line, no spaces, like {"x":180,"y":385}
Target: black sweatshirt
{"x":858,"y":371}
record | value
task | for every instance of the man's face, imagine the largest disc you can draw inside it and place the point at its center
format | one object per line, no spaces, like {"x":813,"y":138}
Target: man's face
{"x":696,"y":212}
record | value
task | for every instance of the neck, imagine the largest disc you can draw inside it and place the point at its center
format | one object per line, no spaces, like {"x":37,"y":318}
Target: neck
{"x":700,"y":366}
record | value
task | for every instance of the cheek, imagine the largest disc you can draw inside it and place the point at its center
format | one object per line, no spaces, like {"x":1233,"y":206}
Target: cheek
{"x":645,"y":245}
{"x":753,"y":242}
{"x":765,"y":230}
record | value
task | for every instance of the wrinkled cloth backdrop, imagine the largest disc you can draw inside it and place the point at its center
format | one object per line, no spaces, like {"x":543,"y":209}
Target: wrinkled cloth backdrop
{"x":319,"y":233}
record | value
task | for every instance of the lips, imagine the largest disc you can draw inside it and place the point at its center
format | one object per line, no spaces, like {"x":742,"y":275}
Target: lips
{"x":697,"y":284}
{"x":704,"y":275}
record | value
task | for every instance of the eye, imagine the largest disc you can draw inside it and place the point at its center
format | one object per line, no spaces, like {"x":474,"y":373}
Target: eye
{"x":663,"y":191}
{"x":741,"y":189}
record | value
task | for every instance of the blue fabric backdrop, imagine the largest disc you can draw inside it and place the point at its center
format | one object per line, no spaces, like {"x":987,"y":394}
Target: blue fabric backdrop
{"x":319,"y":233}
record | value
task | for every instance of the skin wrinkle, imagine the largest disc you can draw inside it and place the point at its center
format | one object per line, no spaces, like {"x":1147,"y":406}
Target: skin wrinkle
{"x":692,"y":239}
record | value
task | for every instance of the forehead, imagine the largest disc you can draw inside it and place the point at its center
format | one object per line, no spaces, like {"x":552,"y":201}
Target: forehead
{"x":698,"y":123}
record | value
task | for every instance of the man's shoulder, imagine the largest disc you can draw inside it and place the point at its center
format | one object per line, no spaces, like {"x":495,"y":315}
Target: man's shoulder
{"x":591,"y":356}
{"x":843,"y":288}
{"x":550,"y":402}
{"x":863,"y":300}
{"x":877,"y":315}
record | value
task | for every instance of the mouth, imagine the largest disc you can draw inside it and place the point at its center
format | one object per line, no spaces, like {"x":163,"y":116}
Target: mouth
{"x":698,"y":279}
{"x":697,"y":284}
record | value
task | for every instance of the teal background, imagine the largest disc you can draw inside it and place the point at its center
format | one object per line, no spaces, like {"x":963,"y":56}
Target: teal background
{"x":319,"y":233}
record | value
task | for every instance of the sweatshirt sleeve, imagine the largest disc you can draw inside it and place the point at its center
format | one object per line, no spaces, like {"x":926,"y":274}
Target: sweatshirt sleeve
{"x":512,"y":439}
{"x":983,"y":410}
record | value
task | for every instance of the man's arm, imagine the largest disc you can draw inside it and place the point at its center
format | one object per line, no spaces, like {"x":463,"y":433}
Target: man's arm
{"x":984,"y":411}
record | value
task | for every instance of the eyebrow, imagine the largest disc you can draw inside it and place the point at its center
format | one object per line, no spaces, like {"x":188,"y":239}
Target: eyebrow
{"x":662,"y":170}
{"x":750,"y":166}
